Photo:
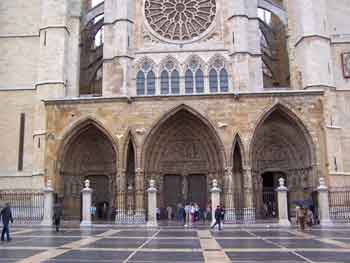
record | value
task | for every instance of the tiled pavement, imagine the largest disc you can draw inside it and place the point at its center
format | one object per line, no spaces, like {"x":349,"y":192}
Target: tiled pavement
{"x":176,"y":244}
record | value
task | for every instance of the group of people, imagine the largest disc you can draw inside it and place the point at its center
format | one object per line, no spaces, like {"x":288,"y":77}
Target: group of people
{"x":189,"y":213}
{"x":192,"y":212}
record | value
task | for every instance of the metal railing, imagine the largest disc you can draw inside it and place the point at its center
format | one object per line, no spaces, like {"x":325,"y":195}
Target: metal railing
{"x":339,"y":203}
{"x":26,"y":206}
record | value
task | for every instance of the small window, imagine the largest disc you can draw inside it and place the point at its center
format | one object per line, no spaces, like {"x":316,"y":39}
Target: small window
{"x":151,"y":83}
{"x":175,"y":82}
{"x":213,"y":80}
{"x":140,"y":83}
{"x":164,"y":82}
{"x":189,"y":82}
{"x":199,"y":81}
{"x":223,"y":80}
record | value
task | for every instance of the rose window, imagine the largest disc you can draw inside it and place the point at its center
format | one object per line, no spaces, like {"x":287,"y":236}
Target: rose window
{"x":180,"y":20}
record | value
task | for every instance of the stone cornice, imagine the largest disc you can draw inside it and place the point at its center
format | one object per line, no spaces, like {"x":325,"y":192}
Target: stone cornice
{"x":236,"y":95}
{"x":315,"y":36}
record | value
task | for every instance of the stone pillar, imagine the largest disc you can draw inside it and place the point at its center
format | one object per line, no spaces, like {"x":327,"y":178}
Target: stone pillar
{"x":282,"y":201}
{"x":86,"y":195}
{"x":48,"y":204}
{"x":323,"y":203}
{"x":215,"y":198}
{"x":118,"y":26}
{"x":244,"y":45}
{"x":152,"y":204}
{"x":249,"y":209}
{"x":140,"y":216}
{"x":230,"y":215}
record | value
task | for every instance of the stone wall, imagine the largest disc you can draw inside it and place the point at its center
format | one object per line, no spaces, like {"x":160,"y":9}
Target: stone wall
{"x":227,"y":114}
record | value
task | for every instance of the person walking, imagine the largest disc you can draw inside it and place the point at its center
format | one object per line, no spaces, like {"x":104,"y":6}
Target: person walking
{"x":222,"y":215}
{"x":57,"y":214}
{"x":218,"y":216}
{"x":6,"y":216}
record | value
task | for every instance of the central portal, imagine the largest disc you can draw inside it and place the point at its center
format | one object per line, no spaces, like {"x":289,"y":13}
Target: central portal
{"x":183,"y":155}
{"x":180,"y":190}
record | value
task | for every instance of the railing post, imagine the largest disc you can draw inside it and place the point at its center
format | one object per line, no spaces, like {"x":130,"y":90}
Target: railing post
{"x":215,"y":198}
{"x":48,"y":204}
{"x":152,"y":204}
{"x":86,"y":193}
{"x":282,"y":200}
{"x":323,"y":203}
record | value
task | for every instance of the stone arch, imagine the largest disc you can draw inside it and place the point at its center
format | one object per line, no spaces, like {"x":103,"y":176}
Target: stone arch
{"x":183,"y":145}
{"x":282,"y":146}
{"x":198,"y":59}
{"x":237,"y":141}
{"x":88,"y":151}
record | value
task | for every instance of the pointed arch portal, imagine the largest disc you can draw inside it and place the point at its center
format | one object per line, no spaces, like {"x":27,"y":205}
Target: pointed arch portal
{"x":281,"y":147}
{"x":183,"y":153}
{"x":88,"y":153}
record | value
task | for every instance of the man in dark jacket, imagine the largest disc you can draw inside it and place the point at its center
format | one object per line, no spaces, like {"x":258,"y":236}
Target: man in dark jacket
{"x":57,"y":214}
{"x":6,"y":216}
{"x":218,"y":215}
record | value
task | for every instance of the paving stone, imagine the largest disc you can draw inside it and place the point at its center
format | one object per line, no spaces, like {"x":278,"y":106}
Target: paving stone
{"x":231,"y":234}
{"x":91,"y":256}
{"x":47,"y":241}
{"x":173,"y":243}
{"x":136,"y":233}
{"x":273,"y":233}
{"x":177,"y":234}
{"x":303,"y":243}
{"x":16,"y":254}
{"x":167,"y":257}
{"x":326,"y":256}
{"x":244,"y":243}
{"x":117,"y":243}
{"x":263,"y":256}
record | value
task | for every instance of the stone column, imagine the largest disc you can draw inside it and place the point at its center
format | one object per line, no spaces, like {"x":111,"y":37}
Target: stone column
{"x":86,"y":194}
{"x":215,"y":198}
{"x":140,"y":216}
{"x":323,"y":203}
{"x":230,"y":215}
{"x":249,"y":209}
{"x":48,"y":204}
{"x":152,"y":204}
{"x":282,"y":191}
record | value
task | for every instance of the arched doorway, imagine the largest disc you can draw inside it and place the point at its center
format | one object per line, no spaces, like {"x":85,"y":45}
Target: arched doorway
{"x":281,"y":147}
{"x":183,"y":154}
{"x":88,"y":154}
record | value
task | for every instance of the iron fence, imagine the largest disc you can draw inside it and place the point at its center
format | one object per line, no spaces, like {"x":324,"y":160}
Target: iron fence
{"x":339,"y":204}
{"x":26,"y":206}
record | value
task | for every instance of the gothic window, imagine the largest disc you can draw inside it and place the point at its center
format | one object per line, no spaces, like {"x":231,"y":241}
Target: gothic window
{"x":164,"y":82}
{"x":175,"y":82}
{"x":169,"y":78}
{"x":213,"y":80}
{"x":146,"y":80}
{"x":189,"y":82}
{"x":223,"y":80}
{"x":140,"y":83}
{"x":194,"y":77}
{"x":151,"y":83}
{"x":199,"y":81}
{"x":180,"y":20}
{"x":218,"y":76}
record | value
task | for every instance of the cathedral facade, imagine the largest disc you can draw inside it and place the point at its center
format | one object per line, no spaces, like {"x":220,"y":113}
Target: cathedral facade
{"x":180,"y":91}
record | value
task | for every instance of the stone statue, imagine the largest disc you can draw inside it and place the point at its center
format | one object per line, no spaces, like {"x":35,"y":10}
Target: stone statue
{"x":87,"y":183}
{"x":281,"y":182}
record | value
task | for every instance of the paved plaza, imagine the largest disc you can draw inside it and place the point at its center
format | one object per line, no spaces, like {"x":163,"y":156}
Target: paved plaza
{"x":176,"y":244}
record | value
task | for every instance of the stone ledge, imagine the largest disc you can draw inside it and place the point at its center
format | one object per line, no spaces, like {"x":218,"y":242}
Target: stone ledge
{"x":236,"y":95}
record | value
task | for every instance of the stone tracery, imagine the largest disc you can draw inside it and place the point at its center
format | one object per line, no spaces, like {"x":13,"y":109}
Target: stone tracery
{"x":180,"y":20}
